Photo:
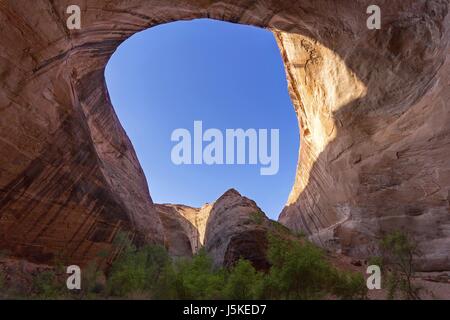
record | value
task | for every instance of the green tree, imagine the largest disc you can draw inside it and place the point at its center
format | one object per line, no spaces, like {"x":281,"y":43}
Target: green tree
{"x":136,"y":270}
{"x":243,"y":282}
{"x":46,"y":285}
{"x":349,"y":285}
{"x":92,"y":282}
{"x":300,"y":271}
{"x":399,"y":252}
{"x":197,"y":278}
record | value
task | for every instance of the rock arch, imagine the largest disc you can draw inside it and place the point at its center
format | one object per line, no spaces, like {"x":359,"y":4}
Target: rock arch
{"x":372,"y":107}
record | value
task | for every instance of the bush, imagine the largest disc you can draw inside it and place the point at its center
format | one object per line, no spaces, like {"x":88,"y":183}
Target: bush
{"x":243,"y":282}
{"x":47,"y":286}
{"x":2,"y":281}
{"x":350,"y":285}
{"x":136,"y":270}
{"x":377,"y":261}
{"x":92,"y":282}
{"x":300,"y":271}
{"x":398,"y":254}
{"x":197,"y":278}
{"x":257,"y":217}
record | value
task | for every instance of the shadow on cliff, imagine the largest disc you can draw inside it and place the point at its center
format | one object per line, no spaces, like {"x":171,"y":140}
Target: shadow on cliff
{"x":353,"y":187}
{"x":404,"y":55}
{"x":182,"y":238}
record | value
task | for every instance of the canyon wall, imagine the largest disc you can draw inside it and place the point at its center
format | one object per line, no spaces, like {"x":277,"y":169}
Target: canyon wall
{"x":375,"y":133}
{"x":372,"y":106}
{"x":230,"y":228}
{"x":182,"y":222}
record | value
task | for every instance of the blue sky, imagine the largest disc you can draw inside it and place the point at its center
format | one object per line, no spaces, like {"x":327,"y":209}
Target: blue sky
{"x":226,"y":75}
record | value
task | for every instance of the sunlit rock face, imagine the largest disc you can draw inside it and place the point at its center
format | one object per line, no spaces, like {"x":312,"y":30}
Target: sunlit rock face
{"x":237,"y":228}
{"x":230,"y":228}
{"x":372,"y":106}
{"x":181,"y":236}
{"x":374,"y":118}
{"x":182,"y":222}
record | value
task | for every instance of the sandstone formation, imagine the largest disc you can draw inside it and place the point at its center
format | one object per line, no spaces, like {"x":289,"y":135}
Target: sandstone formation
{"x":180,"y":233}
{"x":184,"y":227}
{"x":372,"y":105}
{"x":237,"y":228}
{"x":230,"y":228}
{"x":374,"y":122}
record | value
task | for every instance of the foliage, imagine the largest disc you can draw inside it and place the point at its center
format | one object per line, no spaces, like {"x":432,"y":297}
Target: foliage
{"x":300,"y":234}
{"x":195,"y":278}
{"x":47,"y":286}
{"x":136,"y":270}
{"x":398,"y":254}
{"x":2,"y":281}
{"x":299,"y":270}
{"x":243,"y":282}
{"x":280,"y":228}
{"x":92,"y":283}
{"x":377,"y":261}
{"x":257,"y":217}
{"x":349,"y":285}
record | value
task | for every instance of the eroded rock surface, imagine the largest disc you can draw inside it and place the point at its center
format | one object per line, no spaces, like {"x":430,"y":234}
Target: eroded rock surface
{"x":375,"y":128}
{"x":237,"y":228}
{"x":373,"y":107}
{"x":183,"y":223}
{"x":230,"y":228}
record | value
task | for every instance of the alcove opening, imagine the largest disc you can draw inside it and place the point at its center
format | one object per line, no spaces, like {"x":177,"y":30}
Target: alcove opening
{"x":227,"y":76}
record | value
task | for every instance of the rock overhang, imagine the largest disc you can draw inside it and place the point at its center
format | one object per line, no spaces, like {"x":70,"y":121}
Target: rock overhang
{"x":371,"y":107}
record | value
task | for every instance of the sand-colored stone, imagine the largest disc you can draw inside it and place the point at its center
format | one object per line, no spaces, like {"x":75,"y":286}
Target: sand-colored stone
{"x":373,"y":108}
{"x":237,"y":228}
{"x":230,"y":228}
{"x":183,"y":223}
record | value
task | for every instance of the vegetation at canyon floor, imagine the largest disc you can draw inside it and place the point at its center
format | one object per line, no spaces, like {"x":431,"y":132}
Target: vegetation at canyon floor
{"x":397,"y":259}
{"x":299,"y":270}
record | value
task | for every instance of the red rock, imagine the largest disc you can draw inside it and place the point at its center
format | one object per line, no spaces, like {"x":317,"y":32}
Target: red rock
{"x":372,"y":106}
{"x":230,"y":228}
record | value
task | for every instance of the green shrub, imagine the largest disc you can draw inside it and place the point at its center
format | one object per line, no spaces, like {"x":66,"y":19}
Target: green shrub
{"x":349,"y":285}
{"x":279,"y":229}
{"x":300,"y":234}
{"x":300,"y":271}
{"x":377,"y":261}
{"x":136,"y":270}
{"x":398,"y":254}
{"x":257,"y":217}
{"x":92,"y":282}
{"x":47,"y":286}
{"x":197,"y":278}
{"x":2,"y":281}
{"x":243,"y":282}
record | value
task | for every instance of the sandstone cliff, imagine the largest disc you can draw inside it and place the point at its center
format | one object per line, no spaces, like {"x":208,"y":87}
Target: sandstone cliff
{"x":237,"y":228}
{"x":372,"y":106}
{"x":230,"y":228}
{"x":183,"y":223}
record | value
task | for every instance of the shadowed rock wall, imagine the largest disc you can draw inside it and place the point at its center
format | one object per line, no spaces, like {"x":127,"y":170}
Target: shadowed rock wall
{"x":372,"y":107}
